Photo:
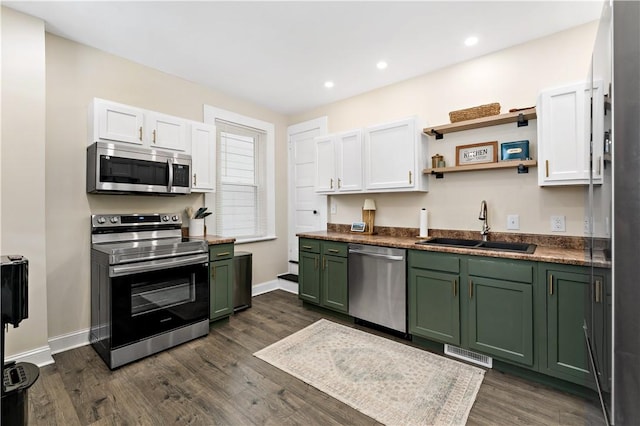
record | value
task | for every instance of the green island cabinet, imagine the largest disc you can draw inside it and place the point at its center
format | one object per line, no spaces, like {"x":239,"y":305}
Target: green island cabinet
{"x":482,"y":304}
{"x":220,"y":281}
{"x":323,"y":273}
{"x":575,"y":299}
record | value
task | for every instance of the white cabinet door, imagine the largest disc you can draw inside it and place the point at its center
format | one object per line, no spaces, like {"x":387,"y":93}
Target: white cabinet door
{"x":349,"y":153}
{"x":325,"y":164}
{"x":116,"y":122}
{"x":390,"y":156}
{"x":564,"y":128}
{"x":203,"y":157}
{"x":167,"y":132}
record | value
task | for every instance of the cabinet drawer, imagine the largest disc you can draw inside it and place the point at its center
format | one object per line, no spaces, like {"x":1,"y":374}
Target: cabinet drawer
{"x":502,"y":270}
{"x":220,"y":252}
{"x":312,"y":246}
{"x":334,"y":249}
{"x":434,"y":261}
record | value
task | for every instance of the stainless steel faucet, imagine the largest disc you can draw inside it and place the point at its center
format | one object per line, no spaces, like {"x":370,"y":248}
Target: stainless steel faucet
{"x":483,"y":216}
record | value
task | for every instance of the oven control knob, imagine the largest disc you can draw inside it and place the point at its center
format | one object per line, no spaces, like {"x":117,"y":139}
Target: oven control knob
{"x":174,"y":218}
{"x":101,"y":220}
{"x":114,"y":219}
{"x":165,"y":218}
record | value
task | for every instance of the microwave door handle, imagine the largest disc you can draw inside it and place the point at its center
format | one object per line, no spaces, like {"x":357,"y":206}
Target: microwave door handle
{"x":170,"y":184}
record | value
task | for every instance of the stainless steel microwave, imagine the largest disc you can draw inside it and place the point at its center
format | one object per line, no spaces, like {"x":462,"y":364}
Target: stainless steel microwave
{"x":120,"y":169}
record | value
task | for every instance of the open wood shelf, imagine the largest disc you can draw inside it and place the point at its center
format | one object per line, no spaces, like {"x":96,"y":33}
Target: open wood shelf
{"x":494,"y":120}
{"x":511,"y":164}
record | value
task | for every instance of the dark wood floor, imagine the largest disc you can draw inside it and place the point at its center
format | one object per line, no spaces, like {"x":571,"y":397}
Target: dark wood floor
{"x":216,"y":380}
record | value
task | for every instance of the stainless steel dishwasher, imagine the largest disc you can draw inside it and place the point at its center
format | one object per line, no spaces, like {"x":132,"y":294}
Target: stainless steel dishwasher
{"x":378,"y":285}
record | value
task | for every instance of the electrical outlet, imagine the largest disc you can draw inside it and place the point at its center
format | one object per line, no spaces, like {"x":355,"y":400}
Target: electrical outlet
{"x":513,"y":222}
{"x":587,"y":226}
{"x":334,"y":207}
{"x":558,"y":224}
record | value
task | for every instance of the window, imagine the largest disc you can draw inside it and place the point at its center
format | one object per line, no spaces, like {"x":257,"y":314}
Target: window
{"x":244,"y":201}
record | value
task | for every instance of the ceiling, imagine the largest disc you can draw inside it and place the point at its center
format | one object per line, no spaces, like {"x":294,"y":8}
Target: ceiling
{"x":279,"y":54}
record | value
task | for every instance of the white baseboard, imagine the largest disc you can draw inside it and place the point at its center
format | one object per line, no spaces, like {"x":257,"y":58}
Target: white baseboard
{"x":287,"y":285}
{"x":69,"y":341}
{"x":264,"y":287}
{"x":39,"y":356}
{"x":272,"y":285}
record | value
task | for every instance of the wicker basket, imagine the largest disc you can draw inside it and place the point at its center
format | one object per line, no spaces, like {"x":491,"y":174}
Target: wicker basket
{"x":475,"y":112}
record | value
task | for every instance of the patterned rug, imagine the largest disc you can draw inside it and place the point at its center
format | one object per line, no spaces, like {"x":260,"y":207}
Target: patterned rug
{"x":391,"y":382}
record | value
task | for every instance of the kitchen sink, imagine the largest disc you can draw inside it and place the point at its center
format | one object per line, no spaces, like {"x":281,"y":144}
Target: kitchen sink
{"x":481,"y":245}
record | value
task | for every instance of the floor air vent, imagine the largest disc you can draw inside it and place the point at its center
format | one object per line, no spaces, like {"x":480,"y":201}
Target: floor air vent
{"x":468,"y":355}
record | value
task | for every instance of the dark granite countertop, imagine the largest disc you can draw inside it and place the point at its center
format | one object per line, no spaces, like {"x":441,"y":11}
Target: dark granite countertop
{"x":564,"y":250}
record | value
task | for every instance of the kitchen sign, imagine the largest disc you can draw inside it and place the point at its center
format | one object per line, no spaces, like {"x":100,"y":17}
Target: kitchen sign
{"x":485,"y":152}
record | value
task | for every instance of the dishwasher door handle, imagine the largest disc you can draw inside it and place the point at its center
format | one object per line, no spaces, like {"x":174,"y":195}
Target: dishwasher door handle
{"x":382,"y":256}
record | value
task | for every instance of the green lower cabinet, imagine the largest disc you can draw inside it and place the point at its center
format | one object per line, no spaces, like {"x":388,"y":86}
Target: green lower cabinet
{"x":574,"y":300}
{"x":434,"y":305}
{"x":309,"y":277}
{"x":323,"y":274}
{"x":220,"y":289}
{"x":334,"y":283}
{"x":501,"y":319}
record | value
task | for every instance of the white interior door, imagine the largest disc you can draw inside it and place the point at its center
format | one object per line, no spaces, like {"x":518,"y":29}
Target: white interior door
{"x":307,"y":210}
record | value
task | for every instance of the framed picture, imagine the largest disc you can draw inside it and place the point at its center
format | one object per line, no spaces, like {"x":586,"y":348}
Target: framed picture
{"x":485,"y":152}
{"x":357,"y":227}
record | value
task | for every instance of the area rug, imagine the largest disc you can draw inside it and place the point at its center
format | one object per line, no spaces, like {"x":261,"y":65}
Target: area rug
{"x":391,"y":382}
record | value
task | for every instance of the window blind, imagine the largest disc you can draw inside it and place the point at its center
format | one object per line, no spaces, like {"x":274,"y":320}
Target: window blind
{"x":240,"y":193}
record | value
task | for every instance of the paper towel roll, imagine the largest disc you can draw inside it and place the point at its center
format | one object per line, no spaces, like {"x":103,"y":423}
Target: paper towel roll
{"x":424,"y":223}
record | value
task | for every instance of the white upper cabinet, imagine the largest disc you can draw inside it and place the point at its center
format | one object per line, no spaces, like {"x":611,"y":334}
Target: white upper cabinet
{"x":325,"y":164}
{"x":339,"y":163}
{"x":203,"y":154}
{"x":393,"y":157}
{"x":349,"y":161}
{"x":167,"y":132}
{"x":567,"y":142}
{"x":116,"y":122}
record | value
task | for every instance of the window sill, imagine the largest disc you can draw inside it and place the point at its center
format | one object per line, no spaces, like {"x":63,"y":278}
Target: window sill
{"x":255,"y":240}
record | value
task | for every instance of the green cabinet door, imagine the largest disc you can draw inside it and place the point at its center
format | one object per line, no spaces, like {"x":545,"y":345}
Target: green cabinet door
{"x":434,"y":305}
{"x":221,"y":289}
{"x":501,"y":319}
{"x":500,"y":308}
{"x":334,"y":283}
{"x":572,"y":302}
{"x":309,"y":276}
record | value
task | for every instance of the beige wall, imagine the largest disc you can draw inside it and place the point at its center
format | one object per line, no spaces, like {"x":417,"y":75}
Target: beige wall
{"x":76,"y":74}
{"x":512,"y":77}
{"x":23,"y":168}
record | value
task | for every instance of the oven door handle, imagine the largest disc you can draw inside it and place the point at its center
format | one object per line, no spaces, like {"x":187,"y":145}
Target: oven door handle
{"x":155,"y":265}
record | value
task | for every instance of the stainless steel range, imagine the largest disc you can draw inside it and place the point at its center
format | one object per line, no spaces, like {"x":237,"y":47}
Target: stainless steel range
{"x":149,"y":286}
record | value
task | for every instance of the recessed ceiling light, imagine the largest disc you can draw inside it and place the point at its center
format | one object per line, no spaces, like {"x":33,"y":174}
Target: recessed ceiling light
{"x":328,"y":84}
{"x":471,"y":41}
{"x":381,"y":65}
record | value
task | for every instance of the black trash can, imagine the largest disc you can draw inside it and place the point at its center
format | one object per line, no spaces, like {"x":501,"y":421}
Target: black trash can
{"x":17,"y":379}
{"x":242,"y":263}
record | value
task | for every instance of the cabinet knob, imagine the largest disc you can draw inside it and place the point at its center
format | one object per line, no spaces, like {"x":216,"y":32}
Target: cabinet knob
{"x":140,"y":136}
{"x":195,"y":179}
